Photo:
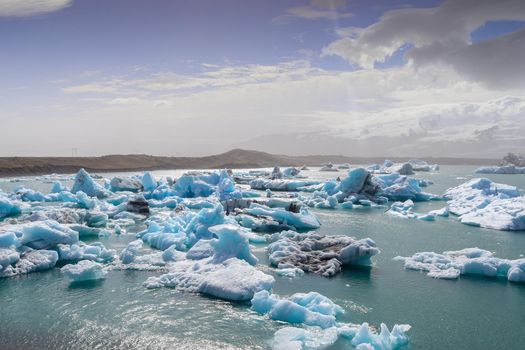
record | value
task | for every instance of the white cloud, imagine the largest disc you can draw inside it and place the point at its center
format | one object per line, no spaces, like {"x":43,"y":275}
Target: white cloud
{"x":441,"y":34}
{"x":318,"y":9}
{"x":367,"y":112}
{"x":23,"y":8}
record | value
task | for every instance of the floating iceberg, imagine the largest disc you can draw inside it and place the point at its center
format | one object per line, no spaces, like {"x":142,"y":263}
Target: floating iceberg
{"x":293,"y":338}
{"x":190,"y":186}
{"x":469,"y":261}
{"x":421,"y":165}
{"x":481,"y":202}
{"x":84,"y":270}
{"x":310,"y":309}
{"x":148,"y":181}
{"x":401,"y":188}
{"x":477,"y":193}
{"x":405,"y":210}
{"x":291,"y":172}
{"x":319,"y":254}
{"x":130,"y":184}
{"x":328,"y":167}
{"x":42,"y":234}
{"x":85,"y":183}
{"x":281,"y":185}
{"x":303,"y":220}
{"x":228,"y":274}
{"x":8,"y":207}
{"x":127,"y":256}
{"x":505,"y":169}
{"x":82,"y":251}
{"x":364,"y":338}
{"x":29,"y":261}
{"x":501,"y":214}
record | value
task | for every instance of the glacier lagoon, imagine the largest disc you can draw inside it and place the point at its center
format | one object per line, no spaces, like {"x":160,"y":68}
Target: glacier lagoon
{"x":44,"y":310}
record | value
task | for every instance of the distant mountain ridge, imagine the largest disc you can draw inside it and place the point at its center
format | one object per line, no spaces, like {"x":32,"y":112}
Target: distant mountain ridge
{"x":236,"y":158}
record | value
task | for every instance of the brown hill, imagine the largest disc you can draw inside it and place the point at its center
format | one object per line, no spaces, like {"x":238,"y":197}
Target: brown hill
{"x":237,"y":158}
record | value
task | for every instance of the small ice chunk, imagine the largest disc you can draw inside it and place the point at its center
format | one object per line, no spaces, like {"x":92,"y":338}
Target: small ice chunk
{"x":84,"y":270}
{"x":311,"y":309}
{"x":127,"y":256}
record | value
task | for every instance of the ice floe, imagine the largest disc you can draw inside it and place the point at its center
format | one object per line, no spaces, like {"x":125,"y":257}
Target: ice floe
{"x":469,"y":261}
{"x":481,"y":202}
{"x":311,"y":309}
{"x":505,"y":169}
{"x":84,"y":270}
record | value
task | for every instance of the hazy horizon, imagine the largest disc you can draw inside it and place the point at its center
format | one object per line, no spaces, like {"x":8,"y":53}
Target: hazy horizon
{"x":178,"y":78}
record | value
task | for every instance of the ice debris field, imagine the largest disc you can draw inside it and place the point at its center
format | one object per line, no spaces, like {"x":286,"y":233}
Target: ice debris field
{"x":202,"y":232}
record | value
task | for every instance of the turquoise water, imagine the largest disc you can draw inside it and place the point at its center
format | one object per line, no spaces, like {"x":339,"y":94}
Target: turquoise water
{"x":43,"y":311}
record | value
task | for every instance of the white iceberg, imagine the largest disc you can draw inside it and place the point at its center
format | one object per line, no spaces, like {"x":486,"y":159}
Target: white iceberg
{"x":293,"y":338}
{"x":468,"y":261}
{"x":505,"y":169}
{"x":481,"y":202}
{"x":228,"y":274}
{"x":30,"y":261}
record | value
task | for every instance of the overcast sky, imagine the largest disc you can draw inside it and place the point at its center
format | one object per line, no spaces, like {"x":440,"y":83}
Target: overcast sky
{"x":356,"y":77}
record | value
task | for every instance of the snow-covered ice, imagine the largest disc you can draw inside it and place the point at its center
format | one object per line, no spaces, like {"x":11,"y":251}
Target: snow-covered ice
{"x":481,"y":202}
{"x":468,"y":261}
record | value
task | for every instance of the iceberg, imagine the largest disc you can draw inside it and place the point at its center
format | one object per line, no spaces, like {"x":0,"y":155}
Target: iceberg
{"x":506,"y":169}
{"x":189,"y":186}
{"x":501,"y":214}
{"x":468,"y":261}
{"x":9,"y":240}
{"x":119,"y":184}
{"x":303,"y":220}
{"x":232,"y":242}
{"x":477,"y":193}
{"x":8,"y":207}
{"x":405,"y":210}
{"x":401,"y":188}
{"x":421,"y":165}
{"x":82,"y":251}
{"x":328,"y":167}
{"x":58,"y":187}
{"x":364,"y":338}
{"x":310,"y":309}
{"x":84,"y":270}
{"x":43,"y":234}
{"x":30,"y":261}
{"x":481,"y":202}
{"x":319,"y":254}
{"x":293,"y":338}
{"x":148,"y":182}
{"x":201,"y":250}
{"x":127,"y":256}
{"x":281,"y":185}
{"x":227,"y":274}
{"x":8,"y":257}
{"x":85,"y":183}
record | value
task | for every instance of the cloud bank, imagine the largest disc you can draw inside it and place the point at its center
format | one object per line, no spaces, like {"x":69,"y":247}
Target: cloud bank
{"x":24,"y":8}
